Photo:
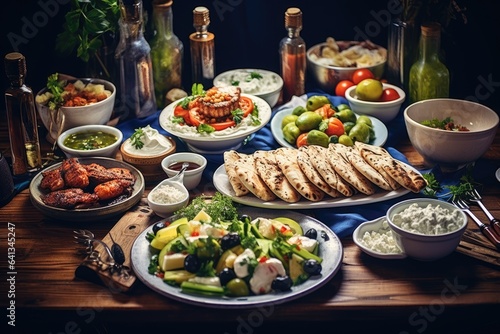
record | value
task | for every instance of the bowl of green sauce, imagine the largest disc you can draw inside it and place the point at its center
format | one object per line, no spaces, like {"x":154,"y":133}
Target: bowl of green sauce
{"x":90,"y":141}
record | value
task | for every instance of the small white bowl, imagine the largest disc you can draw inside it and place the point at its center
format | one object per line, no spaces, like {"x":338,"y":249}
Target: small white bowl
{"x":192,"y":177}
{"x":165,"y":209}
{"x":269,"y":90}
{"x":426,"y":247}
{"x":108,"y":151}
{"x":384,"y":111}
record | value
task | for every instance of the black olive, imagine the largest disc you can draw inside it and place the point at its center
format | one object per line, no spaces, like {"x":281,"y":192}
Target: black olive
{"x":158,"y":226}
{"x":226,"y":275}
{"x":312,"y":267}
{"x":312,"y":233}
{"x":282,"y":283}
{"x":192,"y":263}
{"x":230,"y":240}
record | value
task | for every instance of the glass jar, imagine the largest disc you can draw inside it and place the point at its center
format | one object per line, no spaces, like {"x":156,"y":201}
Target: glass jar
{"x":429,"y":77}
{"x":293,"y":56}
{"x":166,"y":52}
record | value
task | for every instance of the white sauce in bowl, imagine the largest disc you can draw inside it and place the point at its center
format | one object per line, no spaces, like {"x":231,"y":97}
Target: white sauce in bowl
{"x":154,"y":143}
{"x":250,"y":81}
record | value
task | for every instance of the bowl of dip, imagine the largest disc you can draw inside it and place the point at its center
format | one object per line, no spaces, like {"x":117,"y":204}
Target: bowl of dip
{"x":90,"y":141}
{"x":145,"y":150}
{"x":168,"y":196}
{"x":426,"y":229}
{"x":261,"y":83}
{"x":172,"y":164}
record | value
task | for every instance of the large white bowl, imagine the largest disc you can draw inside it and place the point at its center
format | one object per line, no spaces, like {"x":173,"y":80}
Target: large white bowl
{"x":96,"y":113}
{"x":384,"y":111}
{"x":219,"y":141}
{"x":451,"y":149}
{"x":425,"y":247}
{"x":108,"y":151}
{"x":268,"y":87}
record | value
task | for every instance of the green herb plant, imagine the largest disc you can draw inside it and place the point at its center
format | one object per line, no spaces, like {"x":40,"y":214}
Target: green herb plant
{"x":455,"y":192}
{"x":136,"y":139}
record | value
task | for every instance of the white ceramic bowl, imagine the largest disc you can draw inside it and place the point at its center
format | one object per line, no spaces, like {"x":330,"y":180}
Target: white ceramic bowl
{"x":216,"y":142}
{"x":96,"y":113}
{"x":165,"y":209}
{"x":425,"y":247}
{"x":108,"y":151}
{"x":192,"y":177}
{"x":327,"y":77}
{"x":268,"y":87}
{"x":384,"y":111}
{"x":451,"y":149}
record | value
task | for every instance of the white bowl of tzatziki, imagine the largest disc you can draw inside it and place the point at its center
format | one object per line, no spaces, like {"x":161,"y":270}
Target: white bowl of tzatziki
{"x":262,"y":83}
{"x":426,"y":229}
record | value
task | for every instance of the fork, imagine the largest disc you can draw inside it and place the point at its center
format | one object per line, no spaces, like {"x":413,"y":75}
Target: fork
{"x":476,"y":198}
{"x":486,"y":230}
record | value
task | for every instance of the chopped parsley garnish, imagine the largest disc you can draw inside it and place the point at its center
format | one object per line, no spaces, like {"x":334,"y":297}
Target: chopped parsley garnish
{"x":136,"y":137}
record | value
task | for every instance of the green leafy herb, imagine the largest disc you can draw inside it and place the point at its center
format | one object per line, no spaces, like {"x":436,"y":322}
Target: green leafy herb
{"x":433,"y":186}
{"x":235,"y":83}
{"x":136,"y":138}
{"x":254,"y":75}
{"x":56,"y":88}
{"x":460,"y":191}
{"x":205,"y":128}
{"x":436,"y":123}
{"x":237,"y":115}
{"x":197,"y":89}
{"x":219,"y":207}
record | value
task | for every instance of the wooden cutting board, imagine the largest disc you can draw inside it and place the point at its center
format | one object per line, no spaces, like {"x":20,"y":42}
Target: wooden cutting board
{"x":476,"y":245}
{"x":124,"y":233}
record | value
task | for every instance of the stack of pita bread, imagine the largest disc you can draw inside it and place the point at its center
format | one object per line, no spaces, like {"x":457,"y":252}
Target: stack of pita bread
{"x":313,"y":172}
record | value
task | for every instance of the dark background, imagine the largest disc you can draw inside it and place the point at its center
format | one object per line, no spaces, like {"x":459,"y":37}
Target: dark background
{"x":248,"y":33}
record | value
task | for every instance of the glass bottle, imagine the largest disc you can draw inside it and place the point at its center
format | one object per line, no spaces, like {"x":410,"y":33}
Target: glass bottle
{"x":166,"y":52}
{"x":21,"y":118}
{"x":293,"y":55}
{"x":133,"y":55}
{"x":202,"y":43}
{"x":429,"y":77}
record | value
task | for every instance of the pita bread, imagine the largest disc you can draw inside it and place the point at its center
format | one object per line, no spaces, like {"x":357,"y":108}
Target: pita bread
{"x":230,"y":157}
{"x":347,"y":171}
{"x":318,"y":156}
{"x":274,"y":178}
{"x":354,"y":157}
{"x":287,"y":161}
{"x":246,"y":172}
{"x":306,"y":166}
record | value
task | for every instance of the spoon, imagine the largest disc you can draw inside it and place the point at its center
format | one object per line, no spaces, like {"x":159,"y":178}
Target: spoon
{"x":179,"y":176}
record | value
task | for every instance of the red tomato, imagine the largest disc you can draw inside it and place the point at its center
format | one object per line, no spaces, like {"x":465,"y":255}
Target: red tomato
{"x":302,"y":139}
{"x":326,"y":111}
{"x":362,"y":74}
{"x":246,"y":104}
{"x":389,"y":94}
{"x":335,"y":127}
{"x":342,"y":87}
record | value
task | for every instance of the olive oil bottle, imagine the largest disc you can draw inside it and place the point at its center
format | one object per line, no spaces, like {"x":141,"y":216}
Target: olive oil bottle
{"x":429,"y":77}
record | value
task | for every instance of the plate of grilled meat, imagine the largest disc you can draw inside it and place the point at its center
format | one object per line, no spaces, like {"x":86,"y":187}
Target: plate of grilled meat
{"x":86,"y":189}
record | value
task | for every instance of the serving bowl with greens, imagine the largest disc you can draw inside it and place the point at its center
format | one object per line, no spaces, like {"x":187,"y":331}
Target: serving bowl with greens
{"x":450,"y":148}
{"x":90,"y":141}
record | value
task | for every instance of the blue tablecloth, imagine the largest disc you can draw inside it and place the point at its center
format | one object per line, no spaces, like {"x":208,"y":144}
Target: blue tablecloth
{"x":342,"y":220}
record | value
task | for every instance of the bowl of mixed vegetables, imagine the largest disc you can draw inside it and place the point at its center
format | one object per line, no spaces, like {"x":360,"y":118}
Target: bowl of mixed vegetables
{"x":214,"y":253}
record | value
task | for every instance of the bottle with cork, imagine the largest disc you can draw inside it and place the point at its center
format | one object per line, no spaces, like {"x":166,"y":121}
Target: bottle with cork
{"x":292,"y":51}
{"x":202,"y":43}
{"x":429,"y":77}
{"x":21,"y":118}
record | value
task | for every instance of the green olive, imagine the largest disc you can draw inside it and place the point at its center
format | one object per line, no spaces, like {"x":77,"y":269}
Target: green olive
{"x":316,"y":137}
{"x":299,"y":110}
{"x":291,"y":132}
{"x":360,"y":132}
{"x":343,"y":106}
{"x":346,"y":140}
{"x":288,"y":119}
{"x":237,"y":287}
{"x":348,"y":126}
{"x":316,"y":101}
{"x":346,"y":115}
{"x":308,"y":121}
{"x":365,"y":119}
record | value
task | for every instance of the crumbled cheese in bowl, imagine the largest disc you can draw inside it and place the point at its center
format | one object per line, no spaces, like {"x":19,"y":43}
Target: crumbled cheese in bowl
{"x":167,"y":194}
{"x":381,"y":240}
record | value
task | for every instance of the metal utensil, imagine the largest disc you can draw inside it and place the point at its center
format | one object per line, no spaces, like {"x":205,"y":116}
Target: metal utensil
{"x":485,"y":229}
{"x":475,"y":197}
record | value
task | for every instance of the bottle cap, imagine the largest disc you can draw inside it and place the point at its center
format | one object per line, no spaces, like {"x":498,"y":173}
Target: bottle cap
{"x":162,"y":4}
{"x":293,"y":18}
{"x":431,"y":29}
{"x":201,"y":16}
{"x":15,"y":65}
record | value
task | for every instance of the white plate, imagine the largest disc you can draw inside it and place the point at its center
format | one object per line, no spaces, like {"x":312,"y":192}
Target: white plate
{"x":373,"y":225}
{"x":221,"y":183}
{"x":90,"y":214}
{"x":330,"y":248}
{"x":218,"y":141}
{"x":378,"y":127}
{"x":497,"y":174}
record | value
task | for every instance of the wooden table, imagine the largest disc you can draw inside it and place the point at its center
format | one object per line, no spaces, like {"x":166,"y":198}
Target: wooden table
{"x":455,"y":295}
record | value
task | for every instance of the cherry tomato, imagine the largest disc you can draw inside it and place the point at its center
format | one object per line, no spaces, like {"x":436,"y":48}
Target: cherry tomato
{"x":326,"y":111}
{"x":179,"y":111}
{"x":362,"y":74}
{"x":302,"y":139}
{"x":389,"y":94}
{"x":342,"y":87}
{"x":194,"y":117}
{"x":246,"y":104}
{"x":335,"y":127}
